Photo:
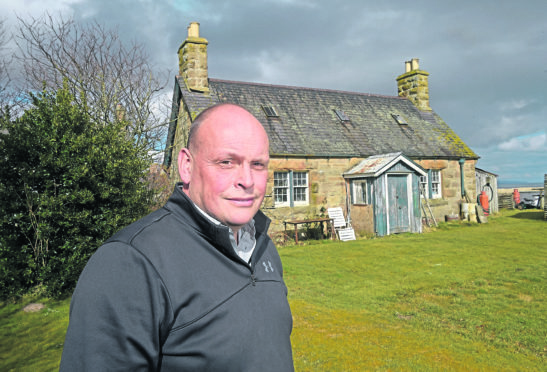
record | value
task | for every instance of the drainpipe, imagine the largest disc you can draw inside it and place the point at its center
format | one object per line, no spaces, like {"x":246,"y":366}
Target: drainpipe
{"x":462,"y":162}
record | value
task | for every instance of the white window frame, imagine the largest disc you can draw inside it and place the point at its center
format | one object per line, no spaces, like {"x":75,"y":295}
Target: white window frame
{"x":281,"y":192}
{"x":291,"y":188}
{"x":424,"y":186}
{"x":360,"y":194}
{"x":432,"y":184}
{"x":436,"y":185}
{"x":300,"y":188}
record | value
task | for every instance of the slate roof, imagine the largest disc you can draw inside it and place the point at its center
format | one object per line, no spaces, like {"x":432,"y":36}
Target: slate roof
{"x":485,"y":171}
{"x":307,"y":124}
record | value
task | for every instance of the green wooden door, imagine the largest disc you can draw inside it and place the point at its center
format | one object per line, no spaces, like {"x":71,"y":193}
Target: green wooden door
{"x":398,"y":207}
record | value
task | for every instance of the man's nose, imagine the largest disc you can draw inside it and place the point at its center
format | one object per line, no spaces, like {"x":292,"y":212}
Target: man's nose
{"x":245,"y":176}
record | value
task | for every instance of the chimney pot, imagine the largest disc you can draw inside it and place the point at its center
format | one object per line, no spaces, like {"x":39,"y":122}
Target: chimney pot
{"x":407,"y":66}
{"x":193,"y":29}
{"x":415,"y":64}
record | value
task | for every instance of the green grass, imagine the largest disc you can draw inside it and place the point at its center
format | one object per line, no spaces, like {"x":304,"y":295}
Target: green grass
{"x":466,"y":297}
{"x":32,"y":341}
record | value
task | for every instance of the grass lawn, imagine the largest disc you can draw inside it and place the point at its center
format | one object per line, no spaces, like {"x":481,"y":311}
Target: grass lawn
{"x":466,"y":297}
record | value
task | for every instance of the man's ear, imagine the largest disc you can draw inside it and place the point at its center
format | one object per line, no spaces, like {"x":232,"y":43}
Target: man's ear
{"x":185,"y":163}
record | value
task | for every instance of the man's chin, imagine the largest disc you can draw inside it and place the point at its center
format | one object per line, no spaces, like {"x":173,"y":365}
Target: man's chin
{"x":241,"y":219}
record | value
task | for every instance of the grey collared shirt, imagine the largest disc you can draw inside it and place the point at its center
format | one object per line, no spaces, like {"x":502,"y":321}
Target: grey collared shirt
{"x":245,"y":236}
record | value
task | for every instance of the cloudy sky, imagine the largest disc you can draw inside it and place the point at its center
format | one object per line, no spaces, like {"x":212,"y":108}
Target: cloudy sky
{"x":487,"y":59}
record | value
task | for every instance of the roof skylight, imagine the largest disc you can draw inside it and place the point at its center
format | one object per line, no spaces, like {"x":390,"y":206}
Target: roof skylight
{"x":270,"y":111}
{"x":341,"y":115}
{"x":399,"y":119}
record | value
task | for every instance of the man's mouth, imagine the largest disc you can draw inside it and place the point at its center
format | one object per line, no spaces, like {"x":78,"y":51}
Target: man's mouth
{"x":242,"y":202}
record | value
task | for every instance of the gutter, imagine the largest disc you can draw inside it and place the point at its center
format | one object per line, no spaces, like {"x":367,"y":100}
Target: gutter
{"x":345,"y":156}
{"x":462,"y":162}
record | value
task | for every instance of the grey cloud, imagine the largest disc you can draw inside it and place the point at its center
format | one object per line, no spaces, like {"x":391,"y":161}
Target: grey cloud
{"x":481,"y":56}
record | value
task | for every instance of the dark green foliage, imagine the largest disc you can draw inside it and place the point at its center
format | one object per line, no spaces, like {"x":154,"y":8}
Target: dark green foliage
{"x":67,"y":183}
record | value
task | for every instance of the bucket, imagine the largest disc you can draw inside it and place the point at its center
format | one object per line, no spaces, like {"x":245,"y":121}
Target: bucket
{"x":468,"y":212}
{"x":465,"y":211}
{"x":472,"y":213}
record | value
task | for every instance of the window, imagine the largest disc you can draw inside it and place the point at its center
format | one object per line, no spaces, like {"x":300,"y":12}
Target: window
{"x":290,"y":188}
{"x":341,"y":115}
{"x":424,"y":188}
{"x":432,"y":184}
{"x":435,"y":184}
{"x":270,"y":111}
{"x":360,"y":191}
{"x":399,"y":119}
{"x":281,"y":188}
{"x":300,"y":184}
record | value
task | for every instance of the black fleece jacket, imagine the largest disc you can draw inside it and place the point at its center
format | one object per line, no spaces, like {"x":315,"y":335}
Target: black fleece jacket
{"x":168,"y":293}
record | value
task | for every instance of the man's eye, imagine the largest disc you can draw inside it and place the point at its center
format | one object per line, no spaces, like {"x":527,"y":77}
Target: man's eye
{"x":259,"y":165}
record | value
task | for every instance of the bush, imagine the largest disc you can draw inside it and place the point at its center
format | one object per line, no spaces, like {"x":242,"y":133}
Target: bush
{"x":67,"y":183}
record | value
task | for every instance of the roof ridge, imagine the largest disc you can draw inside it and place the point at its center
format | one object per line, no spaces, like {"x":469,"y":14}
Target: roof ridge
{"x":304,"y":88}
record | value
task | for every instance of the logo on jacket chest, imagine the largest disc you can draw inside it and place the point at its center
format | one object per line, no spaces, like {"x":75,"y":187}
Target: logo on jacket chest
{"x":268,"y":266}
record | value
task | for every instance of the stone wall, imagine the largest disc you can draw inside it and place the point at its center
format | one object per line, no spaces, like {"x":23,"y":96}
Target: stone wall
{"x":362,"y":219}
{"x":181,"y":135}
{"x":326,"y":185}
{"x":451,"y":185}
{"x":328,"y":189}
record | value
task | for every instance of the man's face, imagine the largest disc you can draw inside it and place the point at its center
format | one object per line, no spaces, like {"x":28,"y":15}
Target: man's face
{"x":228,"y":166}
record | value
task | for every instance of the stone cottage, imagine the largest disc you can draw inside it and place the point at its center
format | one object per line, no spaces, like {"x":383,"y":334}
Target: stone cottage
{"x":318,"y":137}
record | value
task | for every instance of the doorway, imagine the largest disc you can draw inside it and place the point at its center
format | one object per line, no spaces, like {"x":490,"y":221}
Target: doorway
{"x":398,"y":203}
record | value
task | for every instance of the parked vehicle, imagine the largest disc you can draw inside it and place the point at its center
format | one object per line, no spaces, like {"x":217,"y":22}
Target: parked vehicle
{"x":531,"y":201}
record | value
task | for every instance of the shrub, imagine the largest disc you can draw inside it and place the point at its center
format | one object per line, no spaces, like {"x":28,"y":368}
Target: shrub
{"x":67,"y":183}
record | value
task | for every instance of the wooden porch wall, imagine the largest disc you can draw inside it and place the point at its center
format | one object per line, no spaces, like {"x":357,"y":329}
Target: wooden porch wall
{"x":481,"y":178}
{"x":380,"y":197}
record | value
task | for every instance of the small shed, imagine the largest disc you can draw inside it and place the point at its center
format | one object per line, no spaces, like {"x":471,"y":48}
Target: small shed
{"x":391,"y":184}
{"x":487,"y":182}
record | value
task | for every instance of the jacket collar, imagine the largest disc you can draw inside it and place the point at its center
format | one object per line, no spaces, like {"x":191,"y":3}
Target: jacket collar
{"x":183,"y":207}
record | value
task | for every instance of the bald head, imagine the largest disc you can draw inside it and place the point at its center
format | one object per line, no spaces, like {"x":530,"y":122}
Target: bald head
{"x":212,"y":111}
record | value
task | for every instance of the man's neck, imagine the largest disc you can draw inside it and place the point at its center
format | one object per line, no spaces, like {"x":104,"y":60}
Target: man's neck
{"x":235,"y":230}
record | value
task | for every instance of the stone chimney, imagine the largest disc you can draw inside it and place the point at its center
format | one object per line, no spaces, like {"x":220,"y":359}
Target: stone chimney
{"x":193,"y":60}
{"x":413,"y":84}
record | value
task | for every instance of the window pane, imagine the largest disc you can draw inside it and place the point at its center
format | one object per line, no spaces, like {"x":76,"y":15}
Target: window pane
{"x":363,"y":195}
{"x":360,"y":192}
{"x":300,"y":179}
{"x":281,"y":179}
{"x":281,"y":187}
{"x":300,"y":186}
{"x":424,"y":189}
{"x":280,"y":195}
{"x":436,"y":183}
{"x":299,"y":194}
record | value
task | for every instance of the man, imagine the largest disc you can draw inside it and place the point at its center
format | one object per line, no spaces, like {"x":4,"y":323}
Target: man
{"x":196,"y":285}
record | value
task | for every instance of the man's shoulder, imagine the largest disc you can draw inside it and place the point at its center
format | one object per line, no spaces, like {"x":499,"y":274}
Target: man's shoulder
{"x":149,"y":223}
